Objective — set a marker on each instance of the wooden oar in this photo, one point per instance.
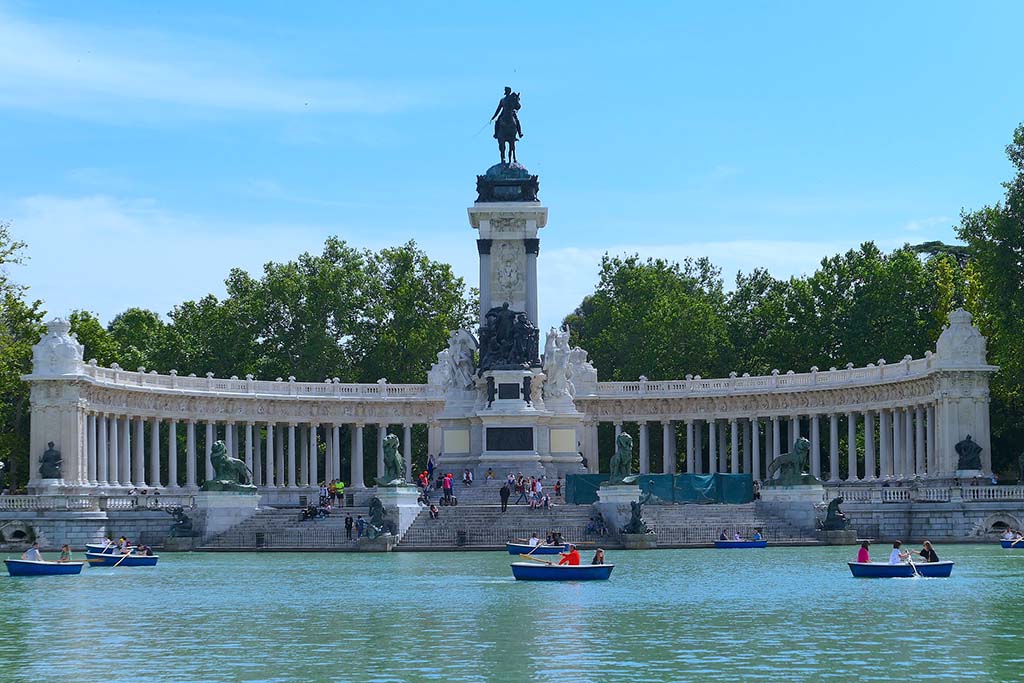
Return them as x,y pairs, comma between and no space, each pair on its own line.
1019,539
126,555
535,559
912,565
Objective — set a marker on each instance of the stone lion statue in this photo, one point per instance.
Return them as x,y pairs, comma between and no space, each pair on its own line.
229,474
394,463
622,461
379,524
790,466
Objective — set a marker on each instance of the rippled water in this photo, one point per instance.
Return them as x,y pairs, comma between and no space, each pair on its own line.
669,615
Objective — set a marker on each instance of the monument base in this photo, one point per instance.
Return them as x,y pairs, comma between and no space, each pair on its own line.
843,537
400,505
639,541
384,543
613,504
218,511
812,494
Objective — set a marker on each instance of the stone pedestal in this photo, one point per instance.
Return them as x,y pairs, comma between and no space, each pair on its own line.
44,487
384,543
639,541
844,537
218,511
795,504
613,504
400,505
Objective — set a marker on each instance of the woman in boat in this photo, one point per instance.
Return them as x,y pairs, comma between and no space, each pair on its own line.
736,536
898,556
724,536
927,552
65,553
757,535
598,556
863,555
571,558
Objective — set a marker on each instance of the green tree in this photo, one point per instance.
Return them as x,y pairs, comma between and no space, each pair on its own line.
97,341
995,237
138,334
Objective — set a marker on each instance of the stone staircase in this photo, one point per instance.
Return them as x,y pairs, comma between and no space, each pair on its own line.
483,492
284,529
689,525
486,526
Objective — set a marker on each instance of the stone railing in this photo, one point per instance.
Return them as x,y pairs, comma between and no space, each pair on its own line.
924,494
92,503
119,378
739,384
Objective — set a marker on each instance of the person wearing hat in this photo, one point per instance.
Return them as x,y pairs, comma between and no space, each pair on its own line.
571,558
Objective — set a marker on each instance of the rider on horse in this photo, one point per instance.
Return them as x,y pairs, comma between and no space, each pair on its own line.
507,108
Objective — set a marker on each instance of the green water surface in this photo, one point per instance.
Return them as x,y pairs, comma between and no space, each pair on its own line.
667,615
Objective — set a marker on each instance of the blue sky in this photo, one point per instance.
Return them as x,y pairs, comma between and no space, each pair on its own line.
148,148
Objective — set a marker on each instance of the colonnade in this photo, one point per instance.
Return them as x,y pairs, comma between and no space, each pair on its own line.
863,445
142,452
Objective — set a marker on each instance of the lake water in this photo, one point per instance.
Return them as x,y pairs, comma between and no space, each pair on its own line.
667,615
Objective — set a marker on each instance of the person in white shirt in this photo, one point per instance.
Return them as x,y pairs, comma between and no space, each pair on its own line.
32,554
534,541
897,556
736,536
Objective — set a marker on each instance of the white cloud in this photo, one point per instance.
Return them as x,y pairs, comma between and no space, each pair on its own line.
73,69
919,224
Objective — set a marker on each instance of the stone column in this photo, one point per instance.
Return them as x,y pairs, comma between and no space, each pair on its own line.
407,450
618,430
755,448
90,449
910,462
114,472
747,456
794,432
776,438
279,470
154,453
668,447
734,444
532,247
689,447
981,418
869,445
257,455
898,468
208,447
483,248
698,444
382,429
933,463
712,446
645,450
723,465
268,464
248,450
336,452
302,462
125,452
172,455
102,451
851,447
884,444
357,457
593,454
229,438
314,459
291,455
329,472
833,448
919,456
139,454
190,455
816,449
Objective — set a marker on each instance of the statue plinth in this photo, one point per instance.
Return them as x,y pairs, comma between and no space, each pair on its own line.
801,493
218,511
639,541
618,493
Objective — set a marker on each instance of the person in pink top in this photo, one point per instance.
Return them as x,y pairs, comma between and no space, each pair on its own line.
862,554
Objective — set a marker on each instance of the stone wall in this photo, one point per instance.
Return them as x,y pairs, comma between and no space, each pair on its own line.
946,522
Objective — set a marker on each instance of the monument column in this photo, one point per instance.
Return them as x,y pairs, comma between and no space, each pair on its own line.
723,464
357,457
816,448
747,456
407,450
103,454
172,454
139,454
933,465
645,453
755,448
90,449
313,474
689,447
734,443
291,455
154,452
851,447
919,459
532,248
336,452
279,470
229,438
125,452
207,448
268,476
909,461
869,445
712,446
668,447
190,455
483,248
115,465
698,445
776,438
248,449
884,444
382,430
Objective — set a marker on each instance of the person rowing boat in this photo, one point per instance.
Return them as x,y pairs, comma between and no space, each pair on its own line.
927,553
572,557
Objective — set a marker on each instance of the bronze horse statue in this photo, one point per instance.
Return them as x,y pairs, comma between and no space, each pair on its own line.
506,128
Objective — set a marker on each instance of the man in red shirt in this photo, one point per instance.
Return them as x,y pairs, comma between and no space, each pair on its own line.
571,558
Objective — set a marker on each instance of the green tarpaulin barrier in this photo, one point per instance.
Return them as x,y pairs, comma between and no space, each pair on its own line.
581,489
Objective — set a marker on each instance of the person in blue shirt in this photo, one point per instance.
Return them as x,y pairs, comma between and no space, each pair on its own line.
757,535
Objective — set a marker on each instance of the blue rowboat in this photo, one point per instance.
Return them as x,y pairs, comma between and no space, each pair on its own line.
525,548
100,548
44,568
535,571
741,544
882,570
109,560
1013,545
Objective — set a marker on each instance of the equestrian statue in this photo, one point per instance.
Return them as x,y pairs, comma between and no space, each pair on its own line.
506,124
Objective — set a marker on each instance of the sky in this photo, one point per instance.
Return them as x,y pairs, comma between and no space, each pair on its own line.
147,148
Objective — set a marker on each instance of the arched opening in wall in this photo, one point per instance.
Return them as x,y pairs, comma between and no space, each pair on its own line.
996,525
